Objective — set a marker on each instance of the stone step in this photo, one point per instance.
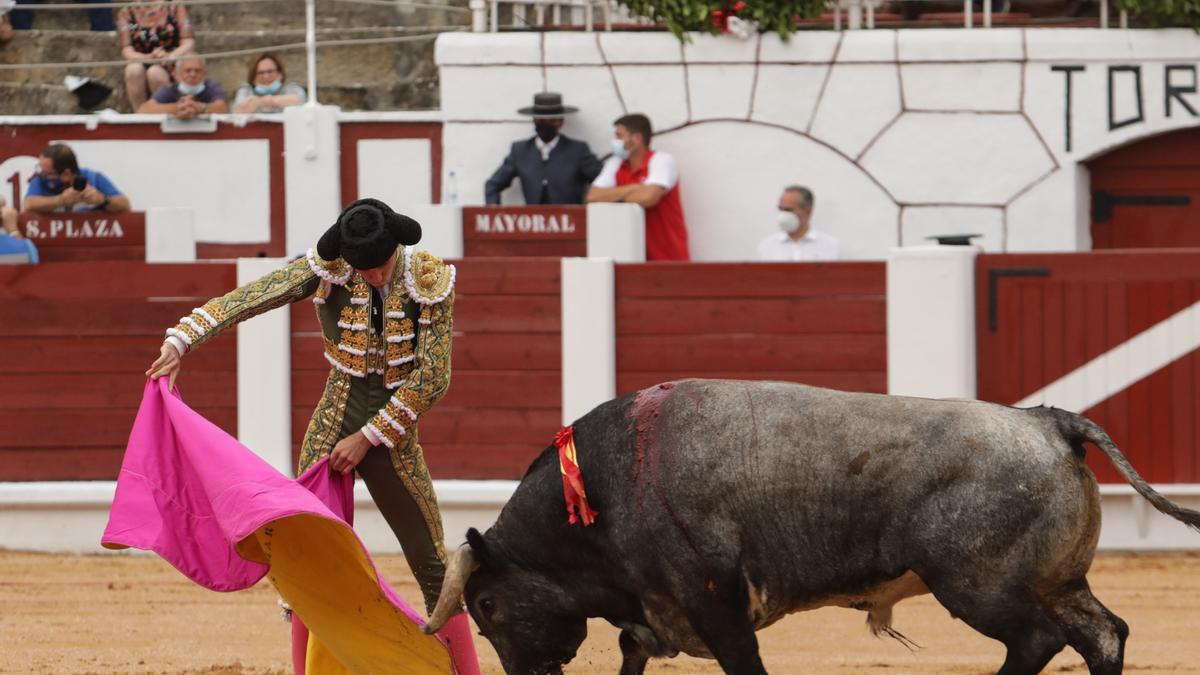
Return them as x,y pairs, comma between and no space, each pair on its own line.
372,63
50,99
280,14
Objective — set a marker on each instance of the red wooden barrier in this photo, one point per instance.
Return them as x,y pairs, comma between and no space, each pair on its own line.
820,323
78,337
86,235
1033,330
505,398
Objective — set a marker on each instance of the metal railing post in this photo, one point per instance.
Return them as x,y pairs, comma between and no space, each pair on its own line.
310,43
479,15
1104,13
968,15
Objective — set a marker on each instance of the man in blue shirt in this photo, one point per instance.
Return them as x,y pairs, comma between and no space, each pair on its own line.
190,95
57,186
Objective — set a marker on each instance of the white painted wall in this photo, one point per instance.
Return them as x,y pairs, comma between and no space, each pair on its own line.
931,321
226,182
398,171
960,130
264,375
313,175
79,514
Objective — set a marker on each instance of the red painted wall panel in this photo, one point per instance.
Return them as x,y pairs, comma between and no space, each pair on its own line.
79,336
822,324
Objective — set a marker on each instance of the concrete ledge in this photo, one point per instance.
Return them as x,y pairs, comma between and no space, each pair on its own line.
70,517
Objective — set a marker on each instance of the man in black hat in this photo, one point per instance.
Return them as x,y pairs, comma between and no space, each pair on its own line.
386,314
553,168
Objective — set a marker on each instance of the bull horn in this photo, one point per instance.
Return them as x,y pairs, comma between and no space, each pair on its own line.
462,563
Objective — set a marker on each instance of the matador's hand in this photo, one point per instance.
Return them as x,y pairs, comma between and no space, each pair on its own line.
349,452
168,363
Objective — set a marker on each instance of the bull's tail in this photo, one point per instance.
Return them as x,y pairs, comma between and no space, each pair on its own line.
1077,429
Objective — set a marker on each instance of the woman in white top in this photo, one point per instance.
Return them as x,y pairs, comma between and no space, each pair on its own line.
265,90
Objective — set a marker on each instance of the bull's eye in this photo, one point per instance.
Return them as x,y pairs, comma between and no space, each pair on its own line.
487,606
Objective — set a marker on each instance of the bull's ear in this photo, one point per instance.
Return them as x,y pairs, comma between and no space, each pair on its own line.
480,546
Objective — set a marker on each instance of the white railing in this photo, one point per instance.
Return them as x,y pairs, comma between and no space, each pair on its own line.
847,14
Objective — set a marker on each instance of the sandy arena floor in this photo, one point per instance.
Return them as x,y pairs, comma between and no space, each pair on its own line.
136,614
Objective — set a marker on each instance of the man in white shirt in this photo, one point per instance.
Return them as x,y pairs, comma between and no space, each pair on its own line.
798,241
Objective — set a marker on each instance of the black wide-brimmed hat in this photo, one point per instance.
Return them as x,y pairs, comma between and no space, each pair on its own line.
548,104
366,234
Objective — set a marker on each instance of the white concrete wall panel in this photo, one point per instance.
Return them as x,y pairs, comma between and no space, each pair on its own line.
226,183
918,223
640,48
474,151
1077,45
787,95
572,49
720,49
1037,221
986,87
867,46
493,94
659,92
859,101
396,170
590,89
957,158
953,44
848,204
806,47
720,91
466,49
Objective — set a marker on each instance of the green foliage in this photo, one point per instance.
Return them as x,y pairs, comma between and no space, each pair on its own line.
682,16
1164,12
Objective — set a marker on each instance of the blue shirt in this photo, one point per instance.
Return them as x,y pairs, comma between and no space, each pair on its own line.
41,187
169,93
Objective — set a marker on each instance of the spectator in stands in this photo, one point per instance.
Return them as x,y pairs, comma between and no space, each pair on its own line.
192,95
101,18
8,220
265,91
798,242
61,185
553,168
649,178
6,27
152,35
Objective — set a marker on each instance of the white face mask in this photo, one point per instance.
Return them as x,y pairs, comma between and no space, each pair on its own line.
618,149
788,221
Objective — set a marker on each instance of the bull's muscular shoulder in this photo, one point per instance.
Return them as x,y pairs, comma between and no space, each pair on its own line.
427,278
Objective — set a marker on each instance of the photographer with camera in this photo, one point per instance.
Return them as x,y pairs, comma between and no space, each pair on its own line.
60,185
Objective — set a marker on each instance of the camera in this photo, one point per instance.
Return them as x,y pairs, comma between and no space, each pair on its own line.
79,183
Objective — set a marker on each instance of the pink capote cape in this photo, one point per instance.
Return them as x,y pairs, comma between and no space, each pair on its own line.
225,518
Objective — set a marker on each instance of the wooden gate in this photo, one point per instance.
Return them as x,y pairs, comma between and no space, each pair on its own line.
1110,334
1147,195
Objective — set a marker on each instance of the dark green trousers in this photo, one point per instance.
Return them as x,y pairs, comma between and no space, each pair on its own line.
401,488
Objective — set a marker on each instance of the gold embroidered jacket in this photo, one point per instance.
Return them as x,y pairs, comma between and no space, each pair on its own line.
413,358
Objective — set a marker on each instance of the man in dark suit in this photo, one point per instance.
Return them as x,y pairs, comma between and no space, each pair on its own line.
553,169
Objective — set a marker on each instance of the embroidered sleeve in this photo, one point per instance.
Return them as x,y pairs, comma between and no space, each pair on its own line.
429,379
293,282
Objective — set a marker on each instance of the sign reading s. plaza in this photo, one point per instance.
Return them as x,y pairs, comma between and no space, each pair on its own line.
66,226
86,235
548,230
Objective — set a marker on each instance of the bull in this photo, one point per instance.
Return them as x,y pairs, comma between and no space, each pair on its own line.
725,506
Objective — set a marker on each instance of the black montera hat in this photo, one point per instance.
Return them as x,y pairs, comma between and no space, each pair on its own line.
547,104
366,234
